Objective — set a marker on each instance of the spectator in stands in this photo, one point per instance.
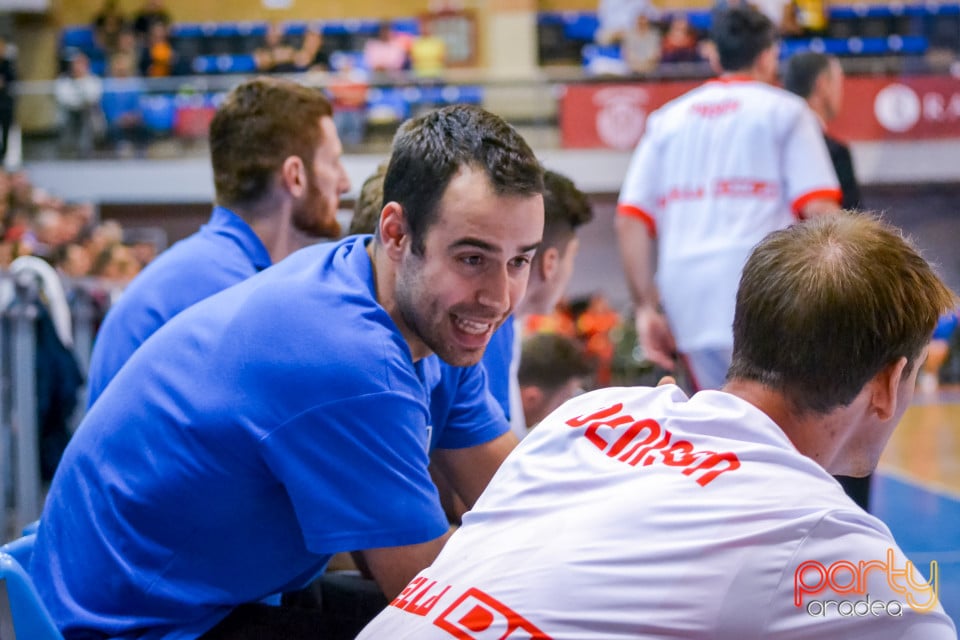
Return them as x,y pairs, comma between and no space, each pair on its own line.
311,55
616,17
348,91
679,43
278,179
8,76
641,45
78,93
385,54
241,495
276,55
151,12
553,369
108,23
126,132
157,58
938,351
428,53
818,79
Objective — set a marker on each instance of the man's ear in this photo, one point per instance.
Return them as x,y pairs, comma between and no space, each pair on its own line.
393,229
885,384
549,263
531,397
293,176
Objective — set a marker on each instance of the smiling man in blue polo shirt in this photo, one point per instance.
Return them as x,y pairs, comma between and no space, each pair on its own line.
286,418
278,176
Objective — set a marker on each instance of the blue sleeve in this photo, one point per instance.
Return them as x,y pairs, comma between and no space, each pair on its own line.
496,360
356,473
474,417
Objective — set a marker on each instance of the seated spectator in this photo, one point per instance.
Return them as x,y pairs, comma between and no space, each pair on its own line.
641,45
158,57
348,93
149,14
126,131
680,42
108,23
78,93
276,55
428,54
311,56
553,369
616,18
385,54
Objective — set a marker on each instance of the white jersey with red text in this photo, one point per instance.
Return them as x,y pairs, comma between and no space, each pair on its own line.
637,513
716,170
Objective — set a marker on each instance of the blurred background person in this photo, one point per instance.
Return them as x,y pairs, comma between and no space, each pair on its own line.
8,76
553,369
78,93
818,79
641,45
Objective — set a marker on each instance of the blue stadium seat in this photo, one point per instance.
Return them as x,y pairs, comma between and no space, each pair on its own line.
21,605
891,45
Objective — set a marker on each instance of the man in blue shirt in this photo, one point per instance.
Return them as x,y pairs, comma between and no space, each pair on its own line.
278,176
566,208
286,418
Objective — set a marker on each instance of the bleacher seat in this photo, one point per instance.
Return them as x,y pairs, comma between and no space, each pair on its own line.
158,112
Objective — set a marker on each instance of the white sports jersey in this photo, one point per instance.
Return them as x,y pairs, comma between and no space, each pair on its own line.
718,169
637,513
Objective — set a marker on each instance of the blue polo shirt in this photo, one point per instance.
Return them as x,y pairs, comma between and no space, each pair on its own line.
222,253
496,361
254,435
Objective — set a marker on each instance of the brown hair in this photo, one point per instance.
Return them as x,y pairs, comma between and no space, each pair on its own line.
824,305
369,204
261,123
565,208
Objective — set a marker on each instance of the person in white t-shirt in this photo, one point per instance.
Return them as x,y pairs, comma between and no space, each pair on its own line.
716,170
642,513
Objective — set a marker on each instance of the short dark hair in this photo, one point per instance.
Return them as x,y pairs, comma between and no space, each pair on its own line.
802,72
825,305
565,208
550,360
369,204
740,35
429,150
261,123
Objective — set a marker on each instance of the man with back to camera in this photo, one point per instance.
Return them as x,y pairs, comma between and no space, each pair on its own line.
716,170
286,418
642,513
818,79
271,199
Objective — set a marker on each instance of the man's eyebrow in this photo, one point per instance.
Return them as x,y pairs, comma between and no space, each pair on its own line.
487,246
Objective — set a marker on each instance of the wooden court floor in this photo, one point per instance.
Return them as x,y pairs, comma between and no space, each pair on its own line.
916,490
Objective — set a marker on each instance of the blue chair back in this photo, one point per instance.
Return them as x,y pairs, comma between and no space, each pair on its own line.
21,611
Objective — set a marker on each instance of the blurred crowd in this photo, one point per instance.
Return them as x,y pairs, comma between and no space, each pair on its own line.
68,235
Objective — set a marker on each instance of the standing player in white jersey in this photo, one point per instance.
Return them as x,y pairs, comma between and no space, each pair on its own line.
641,513
716,170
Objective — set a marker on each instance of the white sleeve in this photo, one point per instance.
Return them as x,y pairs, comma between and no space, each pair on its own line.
849,579
639,189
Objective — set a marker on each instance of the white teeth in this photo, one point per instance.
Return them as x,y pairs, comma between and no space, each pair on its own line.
469,326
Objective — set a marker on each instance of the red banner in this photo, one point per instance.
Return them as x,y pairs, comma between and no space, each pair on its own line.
875,108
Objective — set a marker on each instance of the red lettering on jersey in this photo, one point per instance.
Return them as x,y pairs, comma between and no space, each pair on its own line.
476,615
645,442
418,588
716,109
